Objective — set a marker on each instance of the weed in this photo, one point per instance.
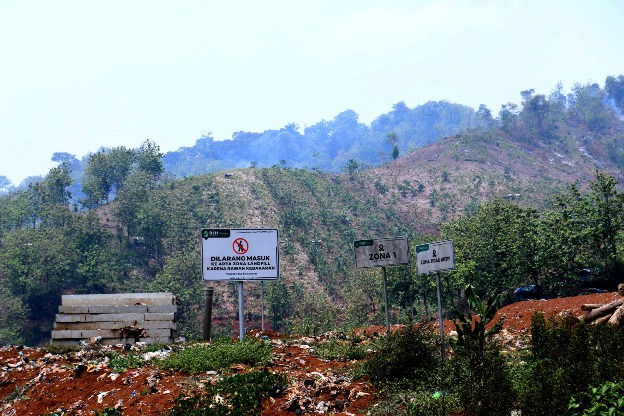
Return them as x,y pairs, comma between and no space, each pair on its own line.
237,395
408,354
339,350
219,355
120,363
604,400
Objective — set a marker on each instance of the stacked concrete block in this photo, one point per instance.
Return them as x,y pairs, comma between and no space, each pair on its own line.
111,319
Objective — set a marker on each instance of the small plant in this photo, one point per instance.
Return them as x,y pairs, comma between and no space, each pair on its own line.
110,411
219,355
339,350
120,363
237,395
483,383
470,329
407,355
607,399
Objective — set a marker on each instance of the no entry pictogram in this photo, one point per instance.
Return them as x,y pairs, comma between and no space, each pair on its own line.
240,246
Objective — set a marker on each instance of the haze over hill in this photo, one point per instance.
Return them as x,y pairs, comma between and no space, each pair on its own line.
174,73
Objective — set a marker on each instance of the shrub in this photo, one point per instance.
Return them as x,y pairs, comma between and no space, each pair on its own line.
408,354
120,363
219,355
339,350
237,395
607,399
568,357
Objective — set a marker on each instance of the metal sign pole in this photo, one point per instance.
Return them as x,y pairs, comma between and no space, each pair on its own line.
385,289
241,316
262,297
440,316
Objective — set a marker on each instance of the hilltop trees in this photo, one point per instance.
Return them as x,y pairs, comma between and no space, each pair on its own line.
502,245
107,170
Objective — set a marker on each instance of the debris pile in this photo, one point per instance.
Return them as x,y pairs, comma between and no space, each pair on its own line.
611,312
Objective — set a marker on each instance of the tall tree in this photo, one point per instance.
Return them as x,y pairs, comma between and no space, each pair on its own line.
149,159
96,181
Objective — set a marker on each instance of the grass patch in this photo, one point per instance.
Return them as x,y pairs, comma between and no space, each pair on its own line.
336,350
237,395
219,355
120,363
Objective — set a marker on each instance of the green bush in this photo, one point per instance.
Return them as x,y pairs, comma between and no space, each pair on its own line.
121,362
339,350
237,395
221,354
482,380
408,354
567,357
607,399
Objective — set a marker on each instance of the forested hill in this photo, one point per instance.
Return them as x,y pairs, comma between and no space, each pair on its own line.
326,145
524,196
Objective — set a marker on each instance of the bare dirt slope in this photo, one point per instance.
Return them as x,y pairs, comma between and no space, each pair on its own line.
35,382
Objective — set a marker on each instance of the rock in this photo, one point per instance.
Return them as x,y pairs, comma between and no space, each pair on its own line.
621,289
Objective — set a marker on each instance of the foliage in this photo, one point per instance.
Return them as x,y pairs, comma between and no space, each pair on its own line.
240,394
407,354
121,362
483,384
495,246
607,399
219,355
567,358
336,350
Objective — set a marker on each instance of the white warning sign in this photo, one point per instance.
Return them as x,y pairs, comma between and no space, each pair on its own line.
240,254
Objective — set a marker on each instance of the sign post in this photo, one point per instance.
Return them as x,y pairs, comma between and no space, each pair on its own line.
381,253
436,257
239,255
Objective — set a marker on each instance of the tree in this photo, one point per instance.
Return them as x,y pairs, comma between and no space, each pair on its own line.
280,304
120,160
5,184
149,159
495,247
589,109
96,181
50,197
352,168
615,89
484,117
130,200
606,221
508,115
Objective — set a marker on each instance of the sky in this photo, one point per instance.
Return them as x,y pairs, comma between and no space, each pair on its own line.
76,76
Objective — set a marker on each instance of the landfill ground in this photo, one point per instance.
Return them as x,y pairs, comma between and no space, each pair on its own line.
34,381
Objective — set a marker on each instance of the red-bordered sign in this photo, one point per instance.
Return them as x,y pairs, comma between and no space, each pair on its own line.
240,246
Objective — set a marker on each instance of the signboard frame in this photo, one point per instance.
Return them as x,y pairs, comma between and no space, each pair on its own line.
433,257
240,254
381,252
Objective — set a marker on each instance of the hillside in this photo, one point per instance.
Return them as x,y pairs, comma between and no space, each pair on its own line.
35,381
138,227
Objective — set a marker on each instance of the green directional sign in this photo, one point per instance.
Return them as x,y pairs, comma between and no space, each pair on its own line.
363,243
422,247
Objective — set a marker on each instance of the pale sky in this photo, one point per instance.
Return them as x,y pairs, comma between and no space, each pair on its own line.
79,75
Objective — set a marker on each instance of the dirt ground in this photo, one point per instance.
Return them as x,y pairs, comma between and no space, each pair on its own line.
35,382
